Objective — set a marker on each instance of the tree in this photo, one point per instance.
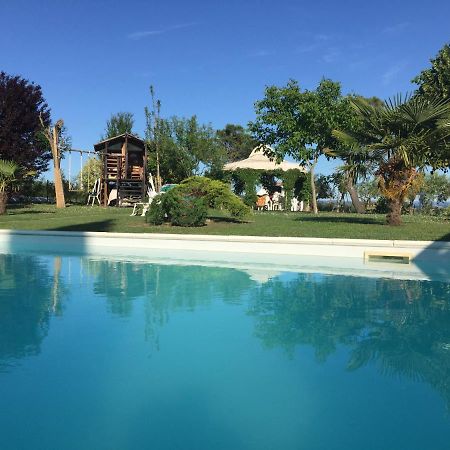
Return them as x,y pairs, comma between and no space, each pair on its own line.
435,187
119,123
21,106
368,190
400,138
92,170
435,81
356,166
300,123
323,187
8,171
59,142
181,148
236,141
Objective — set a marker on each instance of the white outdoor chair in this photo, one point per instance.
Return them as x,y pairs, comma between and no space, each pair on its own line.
94,195
145,206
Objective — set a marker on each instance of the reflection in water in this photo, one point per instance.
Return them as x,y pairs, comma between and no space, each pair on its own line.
402,326
29,295
163,288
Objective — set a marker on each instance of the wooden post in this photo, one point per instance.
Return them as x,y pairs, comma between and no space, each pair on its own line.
144,171
105,177
118,178
126,156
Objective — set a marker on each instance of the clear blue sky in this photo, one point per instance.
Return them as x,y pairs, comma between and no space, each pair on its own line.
210,58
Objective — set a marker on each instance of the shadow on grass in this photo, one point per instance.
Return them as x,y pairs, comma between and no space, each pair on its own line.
101,225
224,219
15,210
335,219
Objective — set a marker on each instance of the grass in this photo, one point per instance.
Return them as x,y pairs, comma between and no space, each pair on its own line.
328,225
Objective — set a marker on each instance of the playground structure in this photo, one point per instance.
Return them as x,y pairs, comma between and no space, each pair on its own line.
124,170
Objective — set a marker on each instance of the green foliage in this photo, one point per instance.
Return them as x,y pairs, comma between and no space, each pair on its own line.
249,178
436,187
92,170
368,190
155,214
236,141
119,123
302,188
216,194
435,81
381,206
406,134
186,210
178,208
8,171
187,203
324,186
290,180
185,149
300,123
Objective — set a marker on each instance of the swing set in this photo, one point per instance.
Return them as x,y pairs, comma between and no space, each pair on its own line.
79,186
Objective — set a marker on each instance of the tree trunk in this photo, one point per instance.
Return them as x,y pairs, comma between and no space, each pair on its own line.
3,202
394,216
59,188
357,204
313,189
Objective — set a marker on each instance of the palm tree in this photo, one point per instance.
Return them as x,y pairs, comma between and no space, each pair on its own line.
356,167
8,170
401,138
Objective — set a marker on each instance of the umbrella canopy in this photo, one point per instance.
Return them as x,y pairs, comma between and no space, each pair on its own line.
259,161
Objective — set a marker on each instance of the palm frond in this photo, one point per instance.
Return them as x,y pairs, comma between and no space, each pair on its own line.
8,168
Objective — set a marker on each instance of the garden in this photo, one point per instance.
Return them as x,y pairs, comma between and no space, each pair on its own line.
391,181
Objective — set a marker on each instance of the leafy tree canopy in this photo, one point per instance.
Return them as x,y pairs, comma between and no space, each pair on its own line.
21,104
186,148
435,81
119,123
300,123
404,135
236,141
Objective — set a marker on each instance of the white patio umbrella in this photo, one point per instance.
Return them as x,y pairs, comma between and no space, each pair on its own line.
259,161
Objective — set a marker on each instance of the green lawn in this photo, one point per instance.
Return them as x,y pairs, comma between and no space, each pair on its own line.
330,225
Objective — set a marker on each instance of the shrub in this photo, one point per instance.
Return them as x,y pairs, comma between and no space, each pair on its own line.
381,206
186,210
186,205
216,194
156,214
178,209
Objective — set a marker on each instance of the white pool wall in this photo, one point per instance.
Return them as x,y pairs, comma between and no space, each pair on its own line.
430,260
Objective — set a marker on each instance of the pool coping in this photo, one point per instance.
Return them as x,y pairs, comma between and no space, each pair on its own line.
427,259
293,245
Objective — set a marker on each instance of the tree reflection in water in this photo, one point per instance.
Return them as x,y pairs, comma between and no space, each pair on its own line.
29,296
164,288
402,326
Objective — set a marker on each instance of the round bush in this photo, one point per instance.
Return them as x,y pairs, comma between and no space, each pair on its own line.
186,211
156,214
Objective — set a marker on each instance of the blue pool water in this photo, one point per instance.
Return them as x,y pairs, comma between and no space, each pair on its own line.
109,354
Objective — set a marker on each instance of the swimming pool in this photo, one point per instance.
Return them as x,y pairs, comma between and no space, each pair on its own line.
111,353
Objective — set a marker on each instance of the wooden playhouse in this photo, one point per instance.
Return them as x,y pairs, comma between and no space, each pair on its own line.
124,169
